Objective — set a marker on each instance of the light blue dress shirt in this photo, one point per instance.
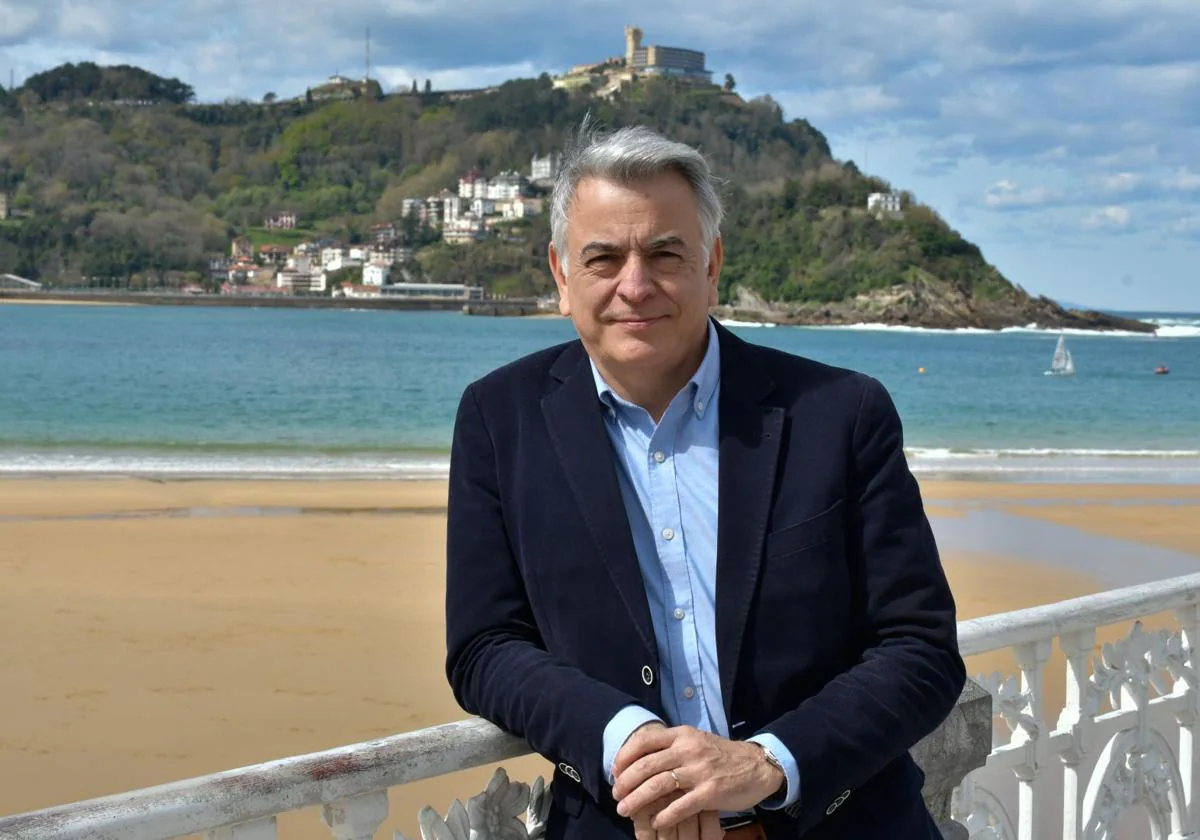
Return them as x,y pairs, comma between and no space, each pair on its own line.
668,477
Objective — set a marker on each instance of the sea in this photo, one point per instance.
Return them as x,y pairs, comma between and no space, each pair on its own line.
195,392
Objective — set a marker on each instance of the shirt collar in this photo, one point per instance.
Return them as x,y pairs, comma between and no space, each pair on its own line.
703,383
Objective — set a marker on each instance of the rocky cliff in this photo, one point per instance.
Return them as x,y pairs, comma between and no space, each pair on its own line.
928,303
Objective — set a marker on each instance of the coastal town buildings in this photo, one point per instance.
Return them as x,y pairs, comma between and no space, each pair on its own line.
480,205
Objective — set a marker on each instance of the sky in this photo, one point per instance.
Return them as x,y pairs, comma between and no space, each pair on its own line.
1061,136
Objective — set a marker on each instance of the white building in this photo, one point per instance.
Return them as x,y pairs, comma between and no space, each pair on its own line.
451,208
375,274
301,276
543,169
483,206
335,258
521,208
466,228
473,185
454,291
887,204
505,186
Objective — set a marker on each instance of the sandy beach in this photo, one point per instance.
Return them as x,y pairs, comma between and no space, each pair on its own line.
156,630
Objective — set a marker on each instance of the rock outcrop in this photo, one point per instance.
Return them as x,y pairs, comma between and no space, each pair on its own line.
929,303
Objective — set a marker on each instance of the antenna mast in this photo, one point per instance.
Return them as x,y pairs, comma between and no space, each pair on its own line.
367,78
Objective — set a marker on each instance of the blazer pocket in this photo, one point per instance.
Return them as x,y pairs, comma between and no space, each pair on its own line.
814,531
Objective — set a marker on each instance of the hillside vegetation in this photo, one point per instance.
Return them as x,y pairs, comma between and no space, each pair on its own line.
103,188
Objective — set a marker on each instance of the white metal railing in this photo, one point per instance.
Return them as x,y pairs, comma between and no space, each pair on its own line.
1097,760
1124,734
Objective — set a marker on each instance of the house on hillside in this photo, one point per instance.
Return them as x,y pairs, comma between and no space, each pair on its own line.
283,220
885,205
242,248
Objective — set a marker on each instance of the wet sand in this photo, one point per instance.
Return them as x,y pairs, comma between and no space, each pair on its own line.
159,630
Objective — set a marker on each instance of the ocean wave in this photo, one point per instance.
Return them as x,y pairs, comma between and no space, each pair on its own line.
209,465
1036,452
1177,331
1165,330
727,322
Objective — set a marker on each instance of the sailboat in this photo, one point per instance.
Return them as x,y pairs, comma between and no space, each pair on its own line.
1062,364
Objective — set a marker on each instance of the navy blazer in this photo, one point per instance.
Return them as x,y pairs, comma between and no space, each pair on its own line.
836,627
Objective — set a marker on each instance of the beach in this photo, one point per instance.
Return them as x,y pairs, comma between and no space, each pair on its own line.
157,629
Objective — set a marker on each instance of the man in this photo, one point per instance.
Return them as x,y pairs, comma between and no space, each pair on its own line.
694,573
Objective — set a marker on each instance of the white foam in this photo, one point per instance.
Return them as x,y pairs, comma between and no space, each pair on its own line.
205,465
1181,330
732,323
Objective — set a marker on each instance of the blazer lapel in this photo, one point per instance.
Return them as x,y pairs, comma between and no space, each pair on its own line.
750,433
576,426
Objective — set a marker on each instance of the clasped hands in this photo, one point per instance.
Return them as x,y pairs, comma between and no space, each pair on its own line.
675,782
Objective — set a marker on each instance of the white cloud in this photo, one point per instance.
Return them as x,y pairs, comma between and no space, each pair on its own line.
1184,180
1120,182
1107,218
16,19
1188,225
453,78
1007,194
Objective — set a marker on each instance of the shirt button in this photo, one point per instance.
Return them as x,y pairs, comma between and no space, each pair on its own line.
700,405
689,693
668,534
679,614
659,457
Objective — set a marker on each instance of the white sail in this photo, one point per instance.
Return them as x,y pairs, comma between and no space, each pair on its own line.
1062,364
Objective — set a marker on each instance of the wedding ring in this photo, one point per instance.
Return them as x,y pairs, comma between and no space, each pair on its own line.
676,778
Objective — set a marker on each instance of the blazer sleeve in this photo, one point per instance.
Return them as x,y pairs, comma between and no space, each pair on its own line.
910,673
496,662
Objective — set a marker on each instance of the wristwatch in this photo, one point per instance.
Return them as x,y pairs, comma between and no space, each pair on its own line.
774,761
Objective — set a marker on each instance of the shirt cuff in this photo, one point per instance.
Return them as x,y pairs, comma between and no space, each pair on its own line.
623,724
790,769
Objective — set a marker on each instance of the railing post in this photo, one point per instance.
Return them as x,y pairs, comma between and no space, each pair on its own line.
256,830
1075,720
356,818
961,744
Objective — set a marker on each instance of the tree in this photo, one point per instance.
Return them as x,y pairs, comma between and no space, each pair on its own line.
729,83
428,85
414,87
269,98
308,95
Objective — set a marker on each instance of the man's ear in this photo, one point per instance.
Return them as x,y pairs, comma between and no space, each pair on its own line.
559,270
716,258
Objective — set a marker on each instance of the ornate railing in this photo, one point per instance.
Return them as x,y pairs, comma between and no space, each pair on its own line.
1122,734
1123,738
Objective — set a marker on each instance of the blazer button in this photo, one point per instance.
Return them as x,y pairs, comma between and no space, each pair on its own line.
569,771
647,675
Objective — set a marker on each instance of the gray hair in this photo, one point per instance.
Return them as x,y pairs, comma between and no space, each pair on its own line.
627,156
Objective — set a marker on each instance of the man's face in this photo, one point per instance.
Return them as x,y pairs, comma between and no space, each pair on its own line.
636,286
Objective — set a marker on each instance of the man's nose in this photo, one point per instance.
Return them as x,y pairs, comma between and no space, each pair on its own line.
635,284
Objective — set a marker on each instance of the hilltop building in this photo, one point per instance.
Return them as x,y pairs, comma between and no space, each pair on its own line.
885,205
640,60
663,61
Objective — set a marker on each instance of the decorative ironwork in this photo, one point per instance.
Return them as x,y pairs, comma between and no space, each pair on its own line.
494,814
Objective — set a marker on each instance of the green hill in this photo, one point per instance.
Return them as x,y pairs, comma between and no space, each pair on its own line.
104,188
